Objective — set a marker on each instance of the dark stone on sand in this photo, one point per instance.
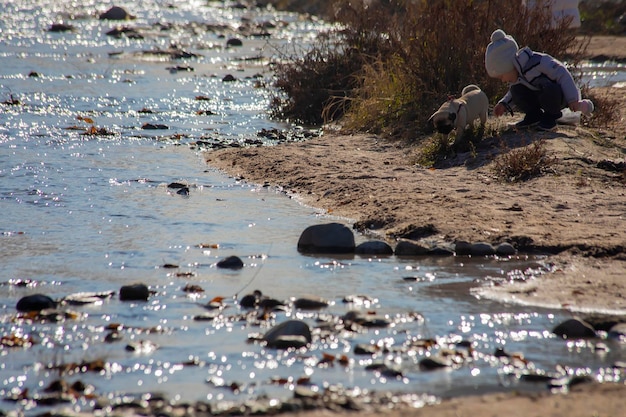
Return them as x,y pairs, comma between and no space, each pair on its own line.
574,328
231,262
331,238
289,332
35,302
463,248
482,249
440,251
505,249
116,13
134,292
374,247
409,248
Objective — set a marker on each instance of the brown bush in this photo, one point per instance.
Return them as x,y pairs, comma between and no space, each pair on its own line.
524,163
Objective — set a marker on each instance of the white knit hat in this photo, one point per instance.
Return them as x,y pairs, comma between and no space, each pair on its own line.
500,54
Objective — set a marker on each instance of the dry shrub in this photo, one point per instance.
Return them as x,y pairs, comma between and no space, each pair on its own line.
306,84
607,110
524,163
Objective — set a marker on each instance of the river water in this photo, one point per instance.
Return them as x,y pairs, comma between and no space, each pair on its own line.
85,213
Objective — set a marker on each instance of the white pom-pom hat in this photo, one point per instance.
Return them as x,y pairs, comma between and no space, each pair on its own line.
500,53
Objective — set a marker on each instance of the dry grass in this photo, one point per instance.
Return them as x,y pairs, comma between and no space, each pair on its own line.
524,163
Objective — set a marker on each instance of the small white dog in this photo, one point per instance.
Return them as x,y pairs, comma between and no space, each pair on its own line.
460,112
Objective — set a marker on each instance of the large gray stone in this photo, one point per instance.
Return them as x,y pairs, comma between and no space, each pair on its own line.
282,334
35,302
134,292
116,13
410,248
574,328
374,247
331,238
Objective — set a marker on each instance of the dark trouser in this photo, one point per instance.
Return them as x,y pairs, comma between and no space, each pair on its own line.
545,103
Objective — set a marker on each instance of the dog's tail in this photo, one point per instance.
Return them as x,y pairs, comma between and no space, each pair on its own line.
469,88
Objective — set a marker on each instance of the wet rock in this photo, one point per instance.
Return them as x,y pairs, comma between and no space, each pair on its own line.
288,342
116,13
128,32
537,376
365,320
505,249
574,328
154,126
60,27
310,303
440,251
134,292
228,78
231,262
362,349
233,42
482,249
35,302
251,300
463,248
410,248
385,370
331,238
374,247
434,362
618,331
290,333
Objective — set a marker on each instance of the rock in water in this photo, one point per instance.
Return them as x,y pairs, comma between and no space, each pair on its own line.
331,238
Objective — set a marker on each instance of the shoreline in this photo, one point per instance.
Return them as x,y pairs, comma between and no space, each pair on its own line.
577,211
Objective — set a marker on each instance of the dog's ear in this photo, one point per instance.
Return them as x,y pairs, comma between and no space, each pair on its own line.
452,116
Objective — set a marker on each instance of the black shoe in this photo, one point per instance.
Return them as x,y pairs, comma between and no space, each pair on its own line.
527,122
547,125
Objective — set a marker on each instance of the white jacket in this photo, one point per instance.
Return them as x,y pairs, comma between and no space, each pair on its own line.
535,68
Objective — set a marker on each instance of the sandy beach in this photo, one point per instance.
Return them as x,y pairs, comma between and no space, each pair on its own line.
577,213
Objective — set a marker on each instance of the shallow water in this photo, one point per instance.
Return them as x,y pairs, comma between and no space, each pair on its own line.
90,213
